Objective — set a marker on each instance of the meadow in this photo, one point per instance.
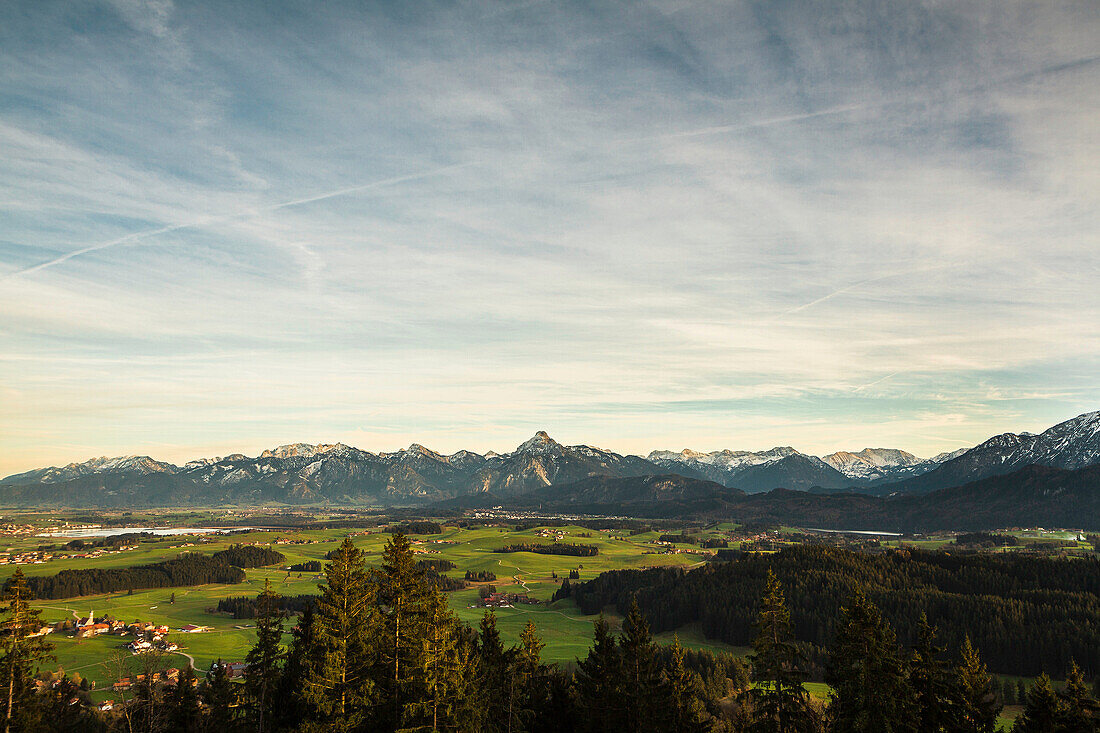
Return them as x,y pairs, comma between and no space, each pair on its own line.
566,632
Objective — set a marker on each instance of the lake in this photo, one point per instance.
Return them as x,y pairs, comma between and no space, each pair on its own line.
112,531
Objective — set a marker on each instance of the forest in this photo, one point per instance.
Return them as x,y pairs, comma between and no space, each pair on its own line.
380,650
564,548
249,556
189,568
1026,614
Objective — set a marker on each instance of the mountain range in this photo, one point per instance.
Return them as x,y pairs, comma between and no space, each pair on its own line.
538,470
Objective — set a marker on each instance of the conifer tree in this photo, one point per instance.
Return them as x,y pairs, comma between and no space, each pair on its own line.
644,697
528,682
1080,711
264,659
220,698
299,666
442,667
686,712
938,698
780,703
339,687
1042,709
871,692
493,664
402,595
598,682
21,649
185,716
979,703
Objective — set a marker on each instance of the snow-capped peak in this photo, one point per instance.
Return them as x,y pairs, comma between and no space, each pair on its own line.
541,442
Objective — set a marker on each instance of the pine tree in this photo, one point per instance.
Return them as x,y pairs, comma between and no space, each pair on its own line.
442,668
645,698
1080,711
871,692
184,715
528,684
686,713
1042,709
597,682
780,703
339,687
402,597
938,697
979,703
220,698
493,665
263,660
299,666
21,648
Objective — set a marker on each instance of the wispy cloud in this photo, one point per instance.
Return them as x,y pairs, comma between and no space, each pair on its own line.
688,224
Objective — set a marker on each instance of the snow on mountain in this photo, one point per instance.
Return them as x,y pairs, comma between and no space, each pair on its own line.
1071,445
303,472
878,464
103,464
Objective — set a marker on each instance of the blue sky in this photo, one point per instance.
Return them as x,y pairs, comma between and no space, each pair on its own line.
226,226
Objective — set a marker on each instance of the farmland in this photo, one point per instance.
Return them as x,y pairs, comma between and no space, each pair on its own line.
565,630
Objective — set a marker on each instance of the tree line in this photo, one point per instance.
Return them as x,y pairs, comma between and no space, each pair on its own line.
382,651
245,606
250,556
564,548
190,568
1026,614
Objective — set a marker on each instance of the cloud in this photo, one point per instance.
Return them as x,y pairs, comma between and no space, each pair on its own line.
703,224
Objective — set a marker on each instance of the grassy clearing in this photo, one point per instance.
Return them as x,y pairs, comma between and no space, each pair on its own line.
565,630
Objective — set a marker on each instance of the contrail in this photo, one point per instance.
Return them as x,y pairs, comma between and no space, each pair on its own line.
146,234
861,283
748,125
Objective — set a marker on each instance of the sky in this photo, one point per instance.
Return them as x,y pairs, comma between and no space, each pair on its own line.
637,225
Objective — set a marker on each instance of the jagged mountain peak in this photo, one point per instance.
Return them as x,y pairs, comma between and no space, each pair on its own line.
540,442
305,450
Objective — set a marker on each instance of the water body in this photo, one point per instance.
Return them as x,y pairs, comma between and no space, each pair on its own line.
112,531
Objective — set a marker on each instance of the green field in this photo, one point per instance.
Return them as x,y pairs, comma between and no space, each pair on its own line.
565,630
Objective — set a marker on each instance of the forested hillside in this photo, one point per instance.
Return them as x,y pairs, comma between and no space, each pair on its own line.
1024,614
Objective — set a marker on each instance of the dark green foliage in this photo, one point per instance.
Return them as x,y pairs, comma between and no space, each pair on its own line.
264,662
416,527
644,694
184,714
975,687
686,712
571,549
1079,709
55,712
438,564
219,696
598,683
249,556
188,569
481,576
1024,613
940,702
779,702
1042,709
871,690
310,566
21,651
245,606
681,538
339,689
